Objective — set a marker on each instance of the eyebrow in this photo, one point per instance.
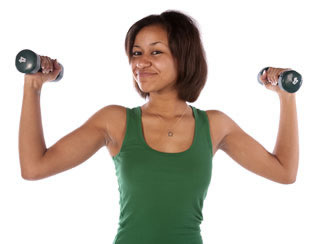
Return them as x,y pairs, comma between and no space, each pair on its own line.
151,44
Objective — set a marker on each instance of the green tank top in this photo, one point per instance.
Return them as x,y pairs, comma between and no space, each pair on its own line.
162,194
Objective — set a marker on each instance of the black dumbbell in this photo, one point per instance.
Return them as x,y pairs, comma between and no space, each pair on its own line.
29,62
289,80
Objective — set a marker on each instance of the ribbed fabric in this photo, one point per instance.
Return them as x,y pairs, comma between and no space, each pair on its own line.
162,194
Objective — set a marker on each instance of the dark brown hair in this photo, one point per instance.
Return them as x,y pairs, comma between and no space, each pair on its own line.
186,47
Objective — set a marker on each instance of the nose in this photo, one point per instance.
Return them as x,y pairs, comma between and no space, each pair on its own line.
143,62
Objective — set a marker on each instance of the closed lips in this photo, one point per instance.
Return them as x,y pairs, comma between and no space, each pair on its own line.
145,73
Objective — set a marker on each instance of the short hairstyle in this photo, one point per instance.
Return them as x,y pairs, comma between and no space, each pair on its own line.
186,47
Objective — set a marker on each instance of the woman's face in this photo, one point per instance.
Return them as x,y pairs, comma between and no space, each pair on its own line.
153,65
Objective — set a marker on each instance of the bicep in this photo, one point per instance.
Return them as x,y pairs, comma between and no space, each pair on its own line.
250,154
73,149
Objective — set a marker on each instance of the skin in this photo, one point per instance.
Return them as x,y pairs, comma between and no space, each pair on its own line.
151,54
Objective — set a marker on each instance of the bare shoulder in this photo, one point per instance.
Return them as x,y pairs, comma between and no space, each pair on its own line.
109,120
220,125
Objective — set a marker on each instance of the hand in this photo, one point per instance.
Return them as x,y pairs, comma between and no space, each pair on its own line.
270,79
49,71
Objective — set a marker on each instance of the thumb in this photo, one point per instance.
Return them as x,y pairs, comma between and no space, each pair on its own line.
57,68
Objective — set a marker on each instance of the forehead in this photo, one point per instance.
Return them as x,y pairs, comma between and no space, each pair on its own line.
151,34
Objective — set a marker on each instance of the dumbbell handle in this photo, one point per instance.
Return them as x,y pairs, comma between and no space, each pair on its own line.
29,62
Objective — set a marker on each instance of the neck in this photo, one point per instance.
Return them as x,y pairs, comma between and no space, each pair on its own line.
166,107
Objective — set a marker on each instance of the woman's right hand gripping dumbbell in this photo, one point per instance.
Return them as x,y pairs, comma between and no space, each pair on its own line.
38,69
49,71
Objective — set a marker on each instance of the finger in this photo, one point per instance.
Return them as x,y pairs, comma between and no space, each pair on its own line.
276,74
263,77
268,84
57,67
47,65
271,86
279,72
55,64
44,65
42,62
269,70
271,75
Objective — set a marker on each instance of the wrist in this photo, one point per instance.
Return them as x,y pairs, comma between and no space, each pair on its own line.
30,83
286,96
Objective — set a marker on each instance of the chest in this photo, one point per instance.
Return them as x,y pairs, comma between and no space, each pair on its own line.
154,133
157,134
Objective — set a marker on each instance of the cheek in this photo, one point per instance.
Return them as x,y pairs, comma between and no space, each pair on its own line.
133,68
132,65
169,66
172,70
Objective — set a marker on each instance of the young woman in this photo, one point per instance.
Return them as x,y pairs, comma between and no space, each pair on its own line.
163,149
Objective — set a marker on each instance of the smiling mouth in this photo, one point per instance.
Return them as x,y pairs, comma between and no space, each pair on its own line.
145,74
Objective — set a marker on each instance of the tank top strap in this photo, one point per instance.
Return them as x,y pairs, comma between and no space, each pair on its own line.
131,137
131,125
204,138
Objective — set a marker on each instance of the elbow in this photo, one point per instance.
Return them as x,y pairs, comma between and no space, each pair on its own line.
284,180
289,179
288,174
29,178
291,176
29,174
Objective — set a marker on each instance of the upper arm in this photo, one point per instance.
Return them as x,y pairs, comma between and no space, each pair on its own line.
249,153
76,147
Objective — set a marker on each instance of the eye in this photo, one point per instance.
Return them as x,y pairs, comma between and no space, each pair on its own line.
156,52
136,53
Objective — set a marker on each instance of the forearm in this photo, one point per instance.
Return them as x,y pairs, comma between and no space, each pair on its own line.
31,139
286,149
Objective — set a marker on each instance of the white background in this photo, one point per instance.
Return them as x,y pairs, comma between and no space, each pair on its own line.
81,205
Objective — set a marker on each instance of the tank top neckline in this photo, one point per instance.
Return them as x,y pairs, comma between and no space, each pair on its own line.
166,153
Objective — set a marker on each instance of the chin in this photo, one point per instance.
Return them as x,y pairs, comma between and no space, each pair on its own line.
144,85
145,90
